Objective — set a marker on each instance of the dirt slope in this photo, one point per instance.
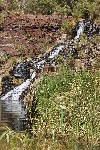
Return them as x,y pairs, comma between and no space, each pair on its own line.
29,34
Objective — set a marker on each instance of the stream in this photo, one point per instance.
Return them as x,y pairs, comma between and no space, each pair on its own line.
12,105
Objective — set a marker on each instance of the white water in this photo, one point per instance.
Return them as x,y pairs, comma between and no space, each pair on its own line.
39,64
18,66
17,91
12,98
56,52
80,30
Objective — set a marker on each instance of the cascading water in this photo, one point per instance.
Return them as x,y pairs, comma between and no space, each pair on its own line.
80,30
56,51
12,101
13,105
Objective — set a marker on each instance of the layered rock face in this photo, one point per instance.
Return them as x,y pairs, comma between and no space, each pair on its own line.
29,34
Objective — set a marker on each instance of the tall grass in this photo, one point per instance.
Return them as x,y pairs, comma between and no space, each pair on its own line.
68,112
68,107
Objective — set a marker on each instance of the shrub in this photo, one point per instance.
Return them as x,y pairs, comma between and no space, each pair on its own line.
86,9
67,25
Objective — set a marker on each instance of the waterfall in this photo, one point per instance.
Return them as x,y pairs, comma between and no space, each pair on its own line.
11,100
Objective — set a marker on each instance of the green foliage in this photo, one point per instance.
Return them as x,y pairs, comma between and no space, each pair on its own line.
14,141
78,8
46,7
68,105
3,13
2,16
62,10
67,25
86,9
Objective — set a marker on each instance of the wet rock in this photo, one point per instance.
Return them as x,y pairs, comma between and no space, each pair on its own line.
7,84
90,28
74,31
64,54
21,70
73,52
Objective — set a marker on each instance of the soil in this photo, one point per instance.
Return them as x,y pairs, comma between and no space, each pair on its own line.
29,34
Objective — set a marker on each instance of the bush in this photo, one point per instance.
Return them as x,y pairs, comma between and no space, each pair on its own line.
78,8
67,25
86,9
45,7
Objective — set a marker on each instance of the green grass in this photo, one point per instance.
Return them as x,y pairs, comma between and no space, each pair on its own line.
68,114
68,107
